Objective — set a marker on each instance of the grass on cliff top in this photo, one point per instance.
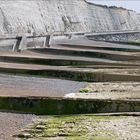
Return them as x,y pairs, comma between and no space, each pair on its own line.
74,127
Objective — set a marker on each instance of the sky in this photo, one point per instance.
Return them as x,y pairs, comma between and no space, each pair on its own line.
129,4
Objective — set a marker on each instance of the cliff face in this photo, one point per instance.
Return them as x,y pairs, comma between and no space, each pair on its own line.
40,16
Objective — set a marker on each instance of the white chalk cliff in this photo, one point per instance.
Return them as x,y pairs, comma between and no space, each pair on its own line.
40,16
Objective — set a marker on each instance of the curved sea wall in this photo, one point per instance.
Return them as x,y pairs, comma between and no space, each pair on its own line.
40,16
116,37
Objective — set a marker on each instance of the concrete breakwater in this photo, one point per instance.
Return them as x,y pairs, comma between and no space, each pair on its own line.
59,106
71,64
41,16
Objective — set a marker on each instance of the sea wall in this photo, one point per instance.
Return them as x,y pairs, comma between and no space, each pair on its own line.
117,37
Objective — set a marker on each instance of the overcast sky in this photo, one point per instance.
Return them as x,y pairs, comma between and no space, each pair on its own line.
129,4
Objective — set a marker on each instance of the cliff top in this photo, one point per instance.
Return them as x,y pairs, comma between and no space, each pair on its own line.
111,7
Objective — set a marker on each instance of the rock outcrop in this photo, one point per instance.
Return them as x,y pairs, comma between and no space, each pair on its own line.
40,16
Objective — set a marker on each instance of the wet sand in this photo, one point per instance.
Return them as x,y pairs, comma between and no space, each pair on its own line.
11,124
12,85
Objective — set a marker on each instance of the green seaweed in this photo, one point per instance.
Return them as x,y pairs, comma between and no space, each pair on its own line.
72,127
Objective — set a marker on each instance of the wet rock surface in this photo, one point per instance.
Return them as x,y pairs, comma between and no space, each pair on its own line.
107,90
84,127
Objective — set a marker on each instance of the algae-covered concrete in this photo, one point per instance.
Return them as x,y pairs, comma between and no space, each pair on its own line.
59,106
